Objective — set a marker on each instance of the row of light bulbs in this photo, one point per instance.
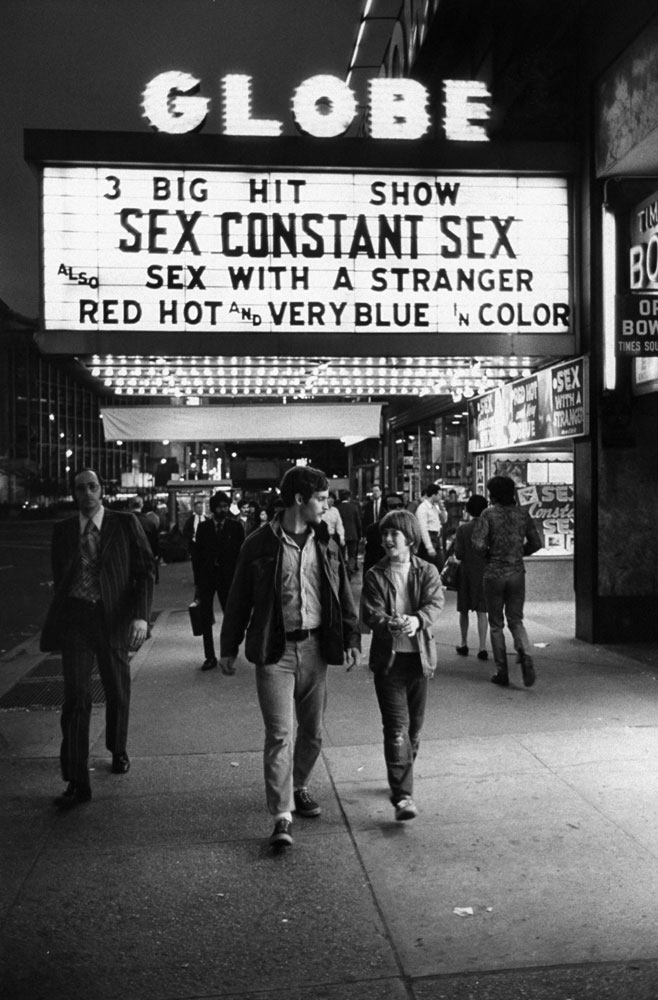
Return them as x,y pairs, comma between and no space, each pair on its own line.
303,378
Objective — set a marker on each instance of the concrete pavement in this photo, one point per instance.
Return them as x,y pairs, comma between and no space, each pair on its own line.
530,872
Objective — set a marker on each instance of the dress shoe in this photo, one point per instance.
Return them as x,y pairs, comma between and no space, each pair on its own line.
73,795
462,650
501,679
210,663
120,763
483,655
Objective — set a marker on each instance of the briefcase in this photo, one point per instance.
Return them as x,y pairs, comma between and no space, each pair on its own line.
196,620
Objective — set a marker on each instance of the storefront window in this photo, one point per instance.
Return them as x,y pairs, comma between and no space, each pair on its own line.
545,488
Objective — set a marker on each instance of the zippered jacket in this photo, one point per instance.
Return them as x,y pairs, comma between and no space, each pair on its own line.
378,607
254,604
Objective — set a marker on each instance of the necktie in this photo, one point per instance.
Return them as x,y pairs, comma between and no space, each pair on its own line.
89,557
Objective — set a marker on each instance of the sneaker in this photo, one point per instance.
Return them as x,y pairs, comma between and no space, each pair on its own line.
405,809
304,804
281,835
501,679
527,668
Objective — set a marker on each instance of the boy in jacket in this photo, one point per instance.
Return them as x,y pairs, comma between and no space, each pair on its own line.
401,600
291,596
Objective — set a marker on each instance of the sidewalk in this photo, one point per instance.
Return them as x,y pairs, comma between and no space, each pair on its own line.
531,871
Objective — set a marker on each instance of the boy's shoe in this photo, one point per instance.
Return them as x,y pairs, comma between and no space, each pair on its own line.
502,679
483,655
462,650
281,835
527,668
405,809
304,804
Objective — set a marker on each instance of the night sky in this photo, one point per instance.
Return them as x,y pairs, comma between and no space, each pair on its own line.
83,64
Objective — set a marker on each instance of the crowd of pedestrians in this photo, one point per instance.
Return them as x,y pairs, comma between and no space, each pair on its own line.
282,577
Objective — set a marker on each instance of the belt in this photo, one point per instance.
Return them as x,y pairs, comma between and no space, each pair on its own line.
87,605
301,633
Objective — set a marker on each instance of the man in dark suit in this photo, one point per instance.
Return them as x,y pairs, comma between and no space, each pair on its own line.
136,507
350,515
374,508
218,544
190,529
103,573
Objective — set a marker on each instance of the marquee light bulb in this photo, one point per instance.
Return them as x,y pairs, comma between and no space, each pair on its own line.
398,109
324,106
236,88
169,107
466,103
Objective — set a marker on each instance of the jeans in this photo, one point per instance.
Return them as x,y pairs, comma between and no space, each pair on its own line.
296,685
506,596
402,697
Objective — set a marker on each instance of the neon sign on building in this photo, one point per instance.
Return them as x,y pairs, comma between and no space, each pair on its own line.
322,106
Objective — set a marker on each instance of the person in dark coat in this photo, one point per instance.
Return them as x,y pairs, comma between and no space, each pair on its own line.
103,581
374,549
190,529
136,506
505,533
218,544
350,515
292,604
470,589
374,508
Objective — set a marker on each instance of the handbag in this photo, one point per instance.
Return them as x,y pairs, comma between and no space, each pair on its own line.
450,575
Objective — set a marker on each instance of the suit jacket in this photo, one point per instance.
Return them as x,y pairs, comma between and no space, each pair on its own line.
127,573
369,511
351,517
217,551
188,530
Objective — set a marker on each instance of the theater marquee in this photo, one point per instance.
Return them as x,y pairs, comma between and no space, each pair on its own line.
309,251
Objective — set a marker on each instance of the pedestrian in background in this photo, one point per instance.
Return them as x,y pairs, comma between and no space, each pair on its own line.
136,507
374,508
401,600
505,533
350,515
218,544
334,521
103,577
150,513
431,515
262,518
470,585
374,549
292,598
190,529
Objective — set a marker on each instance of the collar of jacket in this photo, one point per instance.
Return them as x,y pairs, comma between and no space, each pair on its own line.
415,567
319,531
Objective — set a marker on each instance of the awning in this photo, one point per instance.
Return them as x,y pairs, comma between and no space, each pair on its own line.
347,422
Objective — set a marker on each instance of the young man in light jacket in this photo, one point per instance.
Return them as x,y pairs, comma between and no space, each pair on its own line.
401,600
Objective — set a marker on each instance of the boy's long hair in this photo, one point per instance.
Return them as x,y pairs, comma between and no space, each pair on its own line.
406,522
